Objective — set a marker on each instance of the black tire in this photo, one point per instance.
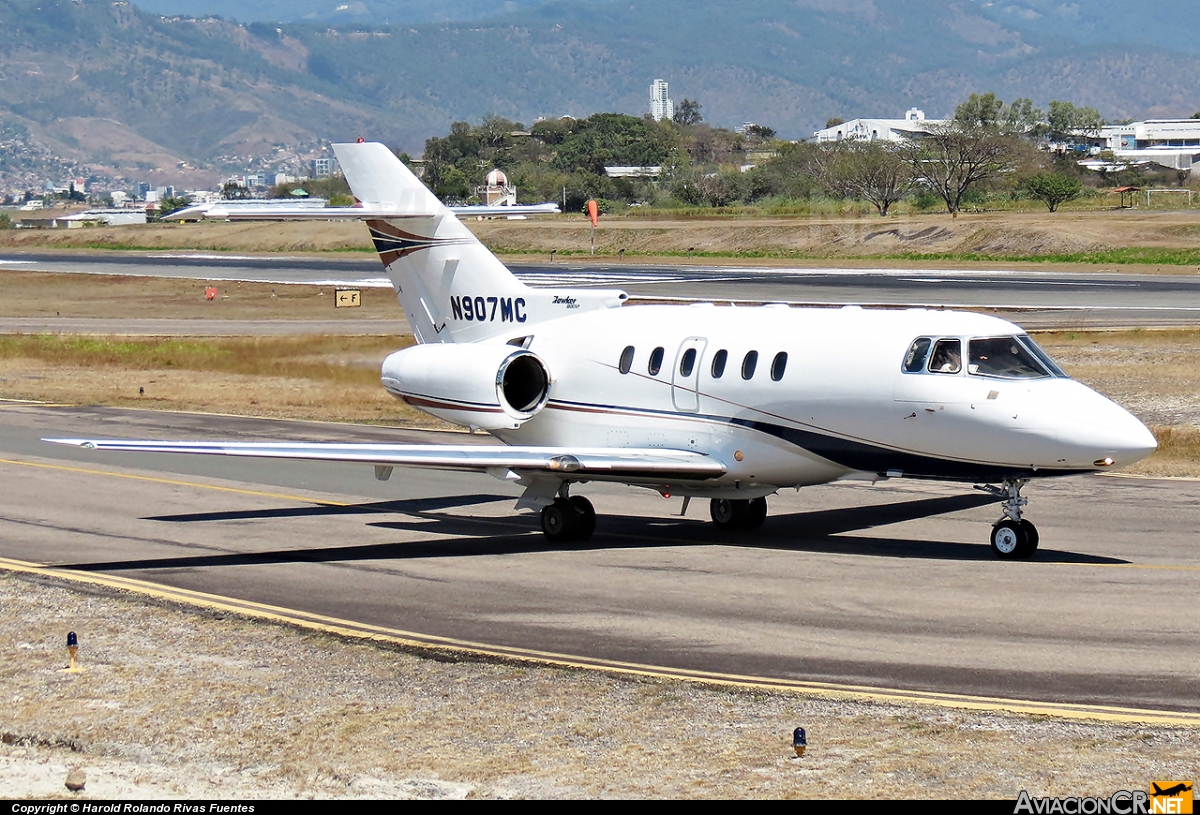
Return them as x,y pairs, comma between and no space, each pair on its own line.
726,513
730,513
586,517
756,513
560,521
1010,541
1032,538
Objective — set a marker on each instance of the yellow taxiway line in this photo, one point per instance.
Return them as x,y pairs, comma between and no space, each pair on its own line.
409,639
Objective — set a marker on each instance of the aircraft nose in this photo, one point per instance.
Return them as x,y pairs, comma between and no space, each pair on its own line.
1103,434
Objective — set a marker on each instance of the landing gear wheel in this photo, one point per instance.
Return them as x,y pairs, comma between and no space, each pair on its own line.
586,514
1010,541
1032,537
756,513
738,514
560,521
726,513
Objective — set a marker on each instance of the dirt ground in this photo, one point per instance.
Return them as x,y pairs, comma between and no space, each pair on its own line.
176,702
762,238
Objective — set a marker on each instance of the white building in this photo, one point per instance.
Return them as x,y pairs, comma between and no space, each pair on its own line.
496,191
1173,143
914,123
661,106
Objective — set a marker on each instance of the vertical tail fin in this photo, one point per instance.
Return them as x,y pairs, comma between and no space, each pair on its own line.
450,286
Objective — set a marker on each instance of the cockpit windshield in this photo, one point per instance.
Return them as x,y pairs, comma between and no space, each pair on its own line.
1009,358
1037,351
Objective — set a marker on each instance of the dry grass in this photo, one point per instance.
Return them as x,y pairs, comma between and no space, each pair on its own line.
1018,234
44,294
310,377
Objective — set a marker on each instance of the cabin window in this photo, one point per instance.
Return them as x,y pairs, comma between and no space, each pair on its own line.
914,360
778,365
626,360
749,363
1004,357
718,365
656,358
687,362
946,357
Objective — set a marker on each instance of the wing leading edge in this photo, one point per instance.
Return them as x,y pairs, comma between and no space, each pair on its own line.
601,464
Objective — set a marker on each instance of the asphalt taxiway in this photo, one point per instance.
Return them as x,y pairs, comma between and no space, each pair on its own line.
890,586
1033,298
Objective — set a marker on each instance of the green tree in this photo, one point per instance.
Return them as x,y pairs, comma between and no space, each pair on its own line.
232,191
5,221
172,203
870,171
1065,122
952,158
1053,189
988,112
688,113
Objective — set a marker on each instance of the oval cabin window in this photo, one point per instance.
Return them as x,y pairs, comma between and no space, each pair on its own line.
626,360
718,364
749,364
687,363
778,365
656,358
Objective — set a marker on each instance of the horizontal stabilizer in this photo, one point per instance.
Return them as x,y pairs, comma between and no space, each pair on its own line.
575,463
271,212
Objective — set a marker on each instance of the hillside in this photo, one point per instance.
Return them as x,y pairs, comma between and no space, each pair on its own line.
121,91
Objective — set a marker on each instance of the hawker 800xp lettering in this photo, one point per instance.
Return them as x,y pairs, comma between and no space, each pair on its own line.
699,401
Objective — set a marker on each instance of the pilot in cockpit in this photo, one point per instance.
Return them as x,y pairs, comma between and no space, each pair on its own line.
946,358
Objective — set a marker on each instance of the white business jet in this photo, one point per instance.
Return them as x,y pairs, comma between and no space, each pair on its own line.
729,404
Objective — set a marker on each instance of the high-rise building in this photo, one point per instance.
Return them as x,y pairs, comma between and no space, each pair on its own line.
661,106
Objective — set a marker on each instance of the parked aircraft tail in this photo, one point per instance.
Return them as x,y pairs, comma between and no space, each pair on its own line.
451,287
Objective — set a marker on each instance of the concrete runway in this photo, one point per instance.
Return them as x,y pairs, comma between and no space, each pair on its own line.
891,586
1034,299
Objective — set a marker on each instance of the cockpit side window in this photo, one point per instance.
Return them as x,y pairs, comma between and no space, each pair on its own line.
1004,357
946,357
1037,351
914,360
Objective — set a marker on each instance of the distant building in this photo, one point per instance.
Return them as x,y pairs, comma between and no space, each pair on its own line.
633,172
496,191
1173,143
913,124
661,106
322,167
112,216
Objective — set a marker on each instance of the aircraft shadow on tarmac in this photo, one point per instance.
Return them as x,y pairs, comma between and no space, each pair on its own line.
817,532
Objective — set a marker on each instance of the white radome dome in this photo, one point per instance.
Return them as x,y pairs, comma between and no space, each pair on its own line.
496,179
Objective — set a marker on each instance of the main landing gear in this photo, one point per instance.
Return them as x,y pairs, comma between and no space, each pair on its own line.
1013,537
737,513
569,518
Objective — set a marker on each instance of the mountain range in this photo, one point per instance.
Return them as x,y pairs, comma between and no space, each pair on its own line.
120,89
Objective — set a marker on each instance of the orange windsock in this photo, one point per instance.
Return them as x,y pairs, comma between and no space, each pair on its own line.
594,212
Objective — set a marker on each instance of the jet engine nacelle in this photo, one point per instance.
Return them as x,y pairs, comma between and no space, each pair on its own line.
490,387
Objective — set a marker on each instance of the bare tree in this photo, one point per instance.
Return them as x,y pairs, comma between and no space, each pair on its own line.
951,158
872,171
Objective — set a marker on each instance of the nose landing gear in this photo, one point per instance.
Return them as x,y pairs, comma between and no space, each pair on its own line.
1013,537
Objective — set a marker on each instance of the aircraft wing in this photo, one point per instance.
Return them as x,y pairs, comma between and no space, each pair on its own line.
601,464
